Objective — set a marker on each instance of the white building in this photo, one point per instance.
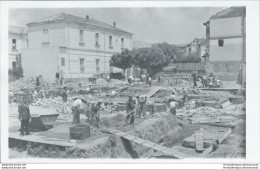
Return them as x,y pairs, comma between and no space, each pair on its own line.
80,47
17,40
226,32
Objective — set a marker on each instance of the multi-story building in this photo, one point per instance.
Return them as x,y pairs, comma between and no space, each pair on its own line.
17,41
226,32
198,47
79,47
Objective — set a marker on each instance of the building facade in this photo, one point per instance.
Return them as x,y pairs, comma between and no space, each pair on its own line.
227,34
17,41
79,47
198,47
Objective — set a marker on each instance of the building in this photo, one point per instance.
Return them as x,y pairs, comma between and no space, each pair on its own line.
79,47
18,40
198,47
226,32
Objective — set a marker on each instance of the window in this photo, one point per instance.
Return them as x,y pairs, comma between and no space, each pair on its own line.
62,61
110,42
81,32
45,31
220,42
45,44
82,67
14,65
122,42
14,44
97,39
190,50
97,66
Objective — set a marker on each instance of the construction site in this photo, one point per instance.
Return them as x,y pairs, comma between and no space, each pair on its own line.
211,124
79,89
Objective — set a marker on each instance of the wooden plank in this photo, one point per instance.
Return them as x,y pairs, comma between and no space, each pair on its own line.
199,141
226,104
206,152
224,136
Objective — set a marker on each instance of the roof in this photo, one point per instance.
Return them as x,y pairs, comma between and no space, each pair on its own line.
68,17
17,29
230,12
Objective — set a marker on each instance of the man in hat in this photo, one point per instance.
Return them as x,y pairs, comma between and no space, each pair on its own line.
24,116
130,110
143,106
173,107
95,111
77,107
64,96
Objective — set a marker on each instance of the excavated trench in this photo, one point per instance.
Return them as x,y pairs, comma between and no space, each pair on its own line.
162,129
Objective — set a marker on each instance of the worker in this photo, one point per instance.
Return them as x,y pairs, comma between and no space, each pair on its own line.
173,107
38,81
211,81
108,78
113,93
185,95
24,116
142,103
95,112
137,107
77,108
57,76
64,96
150,81
194,79
129,111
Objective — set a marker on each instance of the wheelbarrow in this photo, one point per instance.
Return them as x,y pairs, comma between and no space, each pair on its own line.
42,122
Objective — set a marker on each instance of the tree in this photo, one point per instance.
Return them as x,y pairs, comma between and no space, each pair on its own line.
151,59
122,60
170,51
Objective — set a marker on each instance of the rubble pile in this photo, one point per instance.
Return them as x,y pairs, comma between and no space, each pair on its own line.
112,83
24,83
206,111
51,102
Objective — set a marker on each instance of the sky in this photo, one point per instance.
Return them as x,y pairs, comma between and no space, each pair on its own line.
151,25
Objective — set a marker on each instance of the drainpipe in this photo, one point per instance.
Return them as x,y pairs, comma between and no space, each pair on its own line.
104,50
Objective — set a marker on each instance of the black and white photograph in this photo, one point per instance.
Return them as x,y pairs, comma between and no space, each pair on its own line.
153,83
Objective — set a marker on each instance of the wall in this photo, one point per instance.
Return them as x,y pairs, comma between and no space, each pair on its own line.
72,62
21,43
232,50
89,41
55,36
224,27
40,61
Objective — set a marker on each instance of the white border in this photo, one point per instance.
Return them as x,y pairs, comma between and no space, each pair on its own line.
252,52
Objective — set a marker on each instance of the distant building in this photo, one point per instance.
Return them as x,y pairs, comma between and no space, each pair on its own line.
197,47
18,40
226,32
80,47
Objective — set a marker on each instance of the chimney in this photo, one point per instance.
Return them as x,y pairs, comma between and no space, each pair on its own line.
114,23
87,18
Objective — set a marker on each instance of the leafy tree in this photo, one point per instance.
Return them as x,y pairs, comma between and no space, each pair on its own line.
151,59
122,60
170,51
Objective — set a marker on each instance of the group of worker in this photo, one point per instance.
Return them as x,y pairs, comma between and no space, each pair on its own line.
135,108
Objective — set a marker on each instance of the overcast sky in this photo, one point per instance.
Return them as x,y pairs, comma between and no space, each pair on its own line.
152,25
